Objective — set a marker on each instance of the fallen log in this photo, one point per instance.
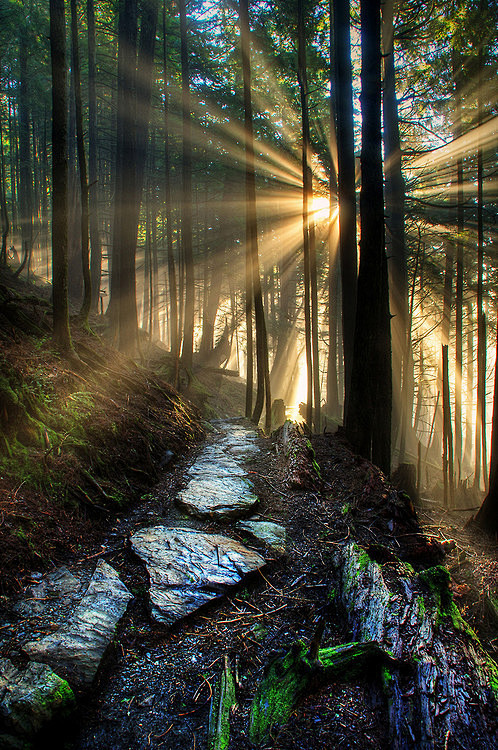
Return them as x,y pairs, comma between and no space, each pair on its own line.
288,678
450,697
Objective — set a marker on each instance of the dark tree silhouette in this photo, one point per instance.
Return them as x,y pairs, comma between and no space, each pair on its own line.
345,182
61,333
368,419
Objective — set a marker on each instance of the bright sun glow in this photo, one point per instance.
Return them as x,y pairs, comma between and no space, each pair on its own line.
320,208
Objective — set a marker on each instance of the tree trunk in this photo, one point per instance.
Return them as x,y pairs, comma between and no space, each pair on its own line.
85,257
125,154
395,222
188,326
96,249
173,293
457,132
487,516
346,185
263,391
440,693
25,166
307,195
61,333
448,463
480,436
368,420
3,204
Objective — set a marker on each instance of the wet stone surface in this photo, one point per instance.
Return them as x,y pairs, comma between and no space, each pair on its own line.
221,498
30,698
218,488
188,568
75,650
60,585
268,532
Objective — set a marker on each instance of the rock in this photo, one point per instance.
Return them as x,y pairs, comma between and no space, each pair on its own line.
60,584
215,462
188,568
30,698
219,497
271,533
76,648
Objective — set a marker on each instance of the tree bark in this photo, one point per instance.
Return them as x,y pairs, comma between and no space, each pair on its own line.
395,222
346,190
263,391
487,516
125,154
85,257
307,195
3,204
95,246
25,193
173,293
368,419
61,333
188,326
440,661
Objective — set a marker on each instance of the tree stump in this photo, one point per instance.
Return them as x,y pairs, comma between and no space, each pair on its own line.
449,697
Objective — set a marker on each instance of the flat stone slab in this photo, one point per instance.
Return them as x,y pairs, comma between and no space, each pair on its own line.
61,585
215,462
271,533
75,650
29,699
188,568
219,497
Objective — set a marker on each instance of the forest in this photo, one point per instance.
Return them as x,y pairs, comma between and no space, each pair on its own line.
281,210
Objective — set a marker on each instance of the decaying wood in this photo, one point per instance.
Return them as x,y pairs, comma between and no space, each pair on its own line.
298,672
303,471
451,691
222,704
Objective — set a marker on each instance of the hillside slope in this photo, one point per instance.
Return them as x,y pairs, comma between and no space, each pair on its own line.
78,439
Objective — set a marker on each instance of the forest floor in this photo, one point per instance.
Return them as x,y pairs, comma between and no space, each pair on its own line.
155,687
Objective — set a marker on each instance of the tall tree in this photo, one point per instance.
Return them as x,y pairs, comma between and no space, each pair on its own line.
132,152
368,420
173,296
80,144
61,333
263,392
487,516
307,196
395,223
187,251
346,191
95,246
25,163
124,180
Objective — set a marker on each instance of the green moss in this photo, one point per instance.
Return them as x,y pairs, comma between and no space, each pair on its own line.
288,678
277,693
493,678
363,560
421,605
437,580
219,715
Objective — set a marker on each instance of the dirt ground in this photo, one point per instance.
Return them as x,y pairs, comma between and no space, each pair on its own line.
154,691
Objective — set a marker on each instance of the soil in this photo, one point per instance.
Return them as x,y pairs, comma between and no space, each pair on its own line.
155,687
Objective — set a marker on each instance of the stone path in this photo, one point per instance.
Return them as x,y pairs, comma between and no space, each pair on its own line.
187,568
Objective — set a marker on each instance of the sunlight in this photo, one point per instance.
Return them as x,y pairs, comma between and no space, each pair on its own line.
320,208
